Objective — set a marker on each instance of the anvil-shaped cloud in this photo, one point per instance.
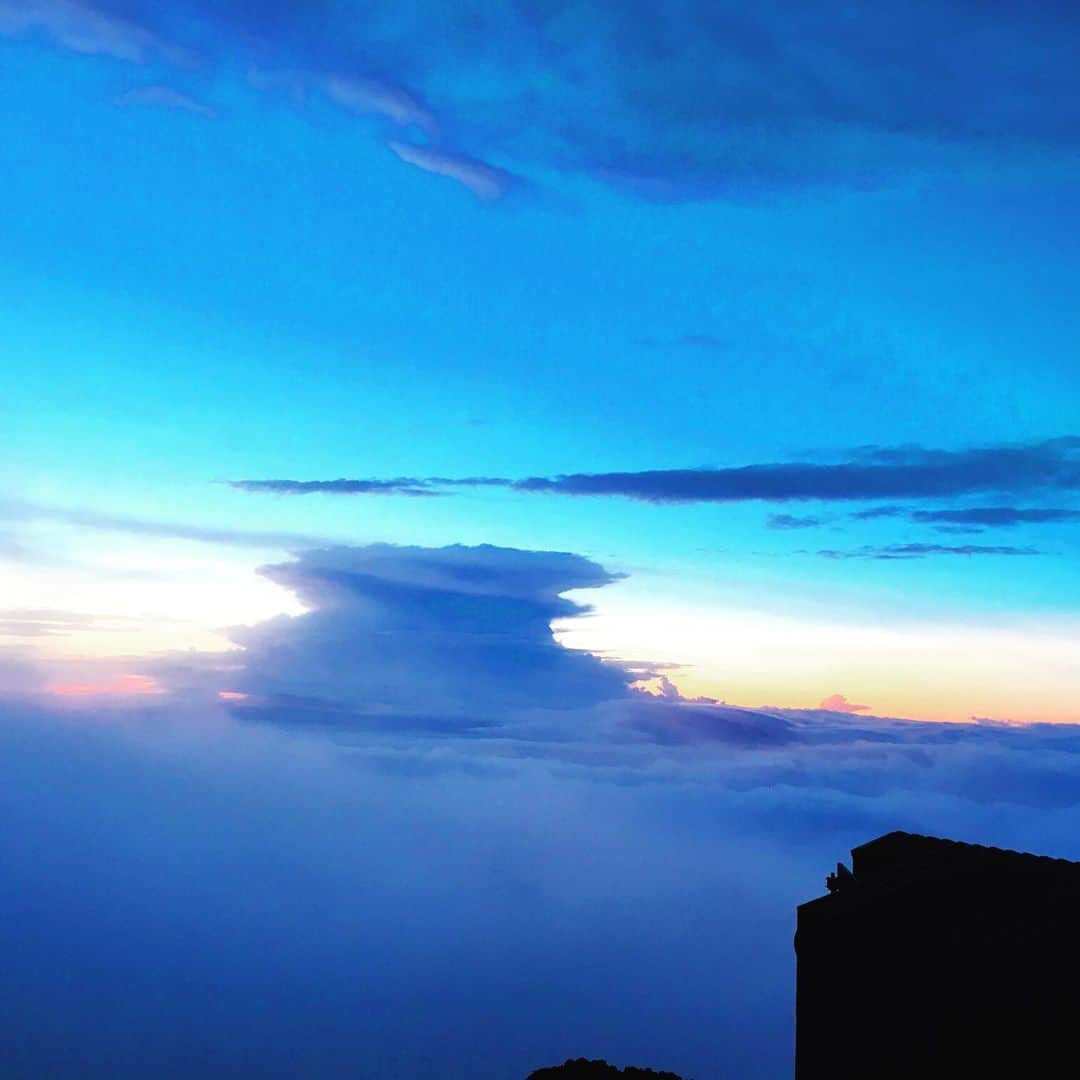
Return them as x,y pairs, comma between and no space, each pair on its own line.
454,632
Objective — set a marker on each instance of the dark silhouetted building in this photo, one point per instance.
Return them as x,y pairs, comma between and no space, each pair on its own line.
934,958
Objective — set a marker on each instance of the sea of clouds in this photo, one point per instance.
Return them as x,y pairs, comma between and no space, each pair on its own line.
429,841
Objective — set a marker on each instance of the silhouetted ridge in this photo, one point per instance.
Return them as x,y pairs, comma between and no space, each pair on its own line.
583,1069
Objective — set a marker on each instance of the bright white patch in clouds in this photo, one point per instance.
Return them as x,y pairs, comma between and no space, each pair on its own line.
140,599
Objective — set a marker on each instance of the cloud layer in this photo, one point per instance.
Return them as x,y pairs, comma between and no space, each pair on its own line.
430,819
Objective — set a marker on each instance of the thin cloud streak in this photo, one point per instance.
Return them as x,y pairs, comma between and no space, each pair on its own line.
403,485
922,551
998,516
972,519
165,97
17,511
484,181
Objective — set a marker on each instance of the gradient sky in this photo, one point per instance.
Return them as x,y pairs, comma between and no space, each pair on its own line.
752,331
217,267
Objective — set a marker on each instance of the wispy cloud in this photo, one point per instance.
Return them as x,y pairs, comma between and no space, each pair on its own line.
373,96
483,180
51,622
86,28
740,100
165,97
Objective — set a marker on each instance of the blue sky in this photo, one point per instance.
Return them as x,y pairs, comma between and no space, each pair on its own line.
762,323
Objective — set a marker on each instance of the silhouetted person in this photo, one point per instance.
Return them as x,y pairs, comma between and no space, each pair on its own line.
934,958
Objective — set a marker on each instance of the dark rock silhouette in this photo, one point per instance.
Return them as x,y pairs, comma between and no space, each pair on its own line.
933,958
583,1069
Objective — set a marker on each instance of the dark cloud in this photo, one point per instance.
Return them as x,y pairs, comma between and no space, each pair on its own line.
972,519
875,512
873,473
869,473
922,551
997,516
696,722
681,100
789,521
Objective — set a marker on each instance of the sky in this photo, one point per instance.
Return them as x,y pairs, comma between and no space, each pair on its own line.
497,498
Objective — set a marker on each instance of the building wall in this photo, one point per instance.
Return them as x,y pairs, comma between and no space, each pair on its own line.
962,969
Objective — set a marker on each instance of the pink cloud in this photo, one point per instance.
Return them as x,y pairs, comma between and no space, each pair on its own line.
839,703
125,685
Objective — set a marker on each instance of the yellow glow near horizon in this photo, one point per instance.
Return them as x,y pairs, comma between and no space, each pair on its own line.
927,671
